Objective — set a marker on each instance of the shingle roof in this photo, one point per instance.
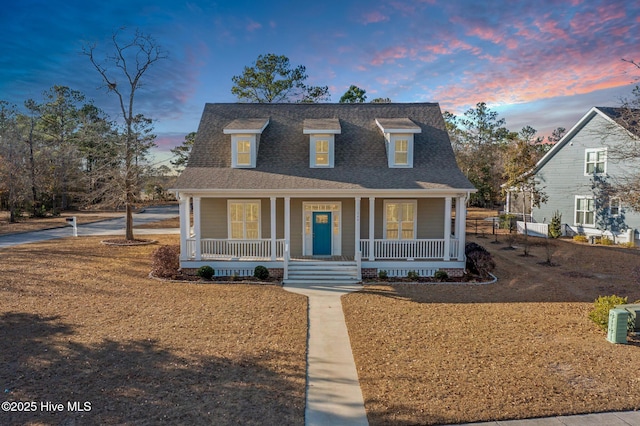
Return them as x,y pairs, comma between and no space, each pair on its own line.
360,157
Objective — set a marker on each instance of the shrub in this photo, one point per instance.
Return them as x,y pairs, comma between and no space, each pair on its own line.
601,307
413,275
441,275
261,272
479,260
206,272
555,226
605,241
165,261
628,244
580,238
507,221
382,274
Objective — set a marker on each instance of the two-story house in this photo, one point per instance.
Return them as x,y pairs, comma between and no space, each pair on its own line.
578,173
323,192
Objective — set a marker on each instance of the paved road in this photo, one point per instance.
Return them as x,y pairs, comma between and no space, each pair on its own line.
107,227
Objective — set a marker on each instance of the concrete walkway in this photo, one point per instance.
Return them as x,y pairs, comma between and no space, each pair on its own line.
624,418
333,390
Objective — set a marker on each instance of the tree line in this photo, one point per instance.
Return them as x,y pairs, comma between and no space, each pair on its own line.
63,152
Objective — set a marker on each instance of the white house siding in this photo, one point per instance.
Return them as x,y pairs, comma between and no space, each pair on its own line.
563,175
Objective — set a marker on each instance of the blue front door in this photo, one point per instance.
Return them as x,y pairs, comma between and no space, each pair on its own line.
321,233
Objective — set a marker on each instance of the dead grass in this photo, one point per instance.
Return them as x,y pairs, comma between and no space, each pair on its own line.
81,321
522,347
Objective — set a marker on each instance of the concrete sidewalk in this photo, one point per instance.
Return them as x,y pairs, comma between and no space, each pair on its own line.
623,418
333,390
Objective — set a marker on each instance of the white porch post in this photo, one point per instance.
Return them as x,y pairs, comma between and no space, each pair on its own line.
273,228
357,232
461,214
447,228
184,225
372,226
287,220
196,227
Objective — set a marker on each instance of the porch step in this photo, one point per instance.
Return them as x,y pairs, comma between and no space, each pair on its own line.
322,272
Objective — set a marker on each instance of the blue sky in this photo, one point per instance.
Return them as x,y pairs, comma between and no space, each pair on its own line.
542,63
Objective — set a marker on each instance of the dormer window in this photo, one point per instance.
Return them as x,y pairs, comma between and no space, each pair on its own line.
398,136
321,141
245,140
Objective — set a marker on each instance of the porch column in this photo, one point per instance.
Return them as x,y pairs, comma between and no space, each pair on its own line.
185,225
357,233
447,228
273,228
196,227
287,221
372,226
461,214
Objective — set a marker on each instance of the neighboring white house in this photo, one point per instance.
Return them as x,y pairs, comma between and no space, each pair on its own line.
323,191
576,175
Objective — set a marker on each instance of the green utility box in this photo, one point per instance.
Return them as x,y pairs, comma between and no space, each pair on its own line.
617,332
634,314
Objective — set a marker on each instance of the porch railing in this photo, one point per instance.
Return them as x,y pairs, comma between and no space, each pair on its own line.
409,249
211,248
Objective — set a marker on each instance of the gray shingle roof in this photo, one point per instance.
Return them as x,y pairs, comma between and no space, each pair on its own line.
360,157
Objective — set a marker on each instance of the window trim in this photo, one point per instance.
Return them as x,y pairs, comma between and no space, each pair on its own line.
235,140
619,207
330,148
390,140
603,161
415,220
575,211
244,220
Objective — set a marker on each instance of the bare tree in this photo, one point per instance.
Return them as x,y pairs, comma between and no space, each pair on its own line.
12,158
131,60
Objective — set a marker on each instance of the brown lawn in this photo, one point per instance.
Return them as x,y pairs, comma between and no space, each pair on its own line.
521,347
81,321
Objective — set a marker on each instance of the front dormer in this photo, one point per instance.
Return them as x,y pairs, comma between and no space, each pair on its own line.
245,140
321,133
398,138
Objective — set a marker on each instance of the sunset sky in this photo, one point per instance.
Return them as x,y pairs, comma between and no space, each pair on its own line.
542,63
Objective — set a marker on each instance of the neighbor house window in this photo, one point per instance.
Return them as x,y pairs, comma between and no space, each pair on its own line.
400,220
243,152
595,161
322,152
401,154
585,211
614,206
244,220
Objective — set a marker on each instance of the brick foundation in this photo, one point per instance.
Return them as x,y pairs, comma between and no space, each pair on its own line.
368,273
453,272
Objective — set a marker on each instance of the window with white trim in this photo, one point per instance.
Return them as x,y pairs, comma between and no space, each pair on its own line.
585,211
614,206
401,152
595,161
322,152
243,152
244,220
400,220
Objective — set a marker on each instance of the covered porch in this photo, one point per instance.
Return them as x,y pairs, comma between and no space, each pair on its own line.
426,231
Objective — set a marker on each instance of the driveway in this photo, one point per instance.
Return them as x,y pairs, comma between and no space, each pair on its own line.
107,227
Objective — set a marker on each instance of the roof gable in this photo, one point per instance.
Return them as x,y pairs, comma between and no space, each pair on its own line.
608,113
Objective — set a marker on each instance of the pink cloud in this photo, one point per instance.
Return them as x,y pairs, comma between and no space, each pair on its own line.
253,26
374,17
390,55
